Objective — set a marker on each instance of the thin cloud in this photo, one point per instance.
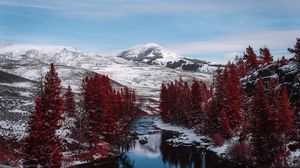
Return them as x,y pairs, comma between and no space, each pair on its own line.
91,9
274,39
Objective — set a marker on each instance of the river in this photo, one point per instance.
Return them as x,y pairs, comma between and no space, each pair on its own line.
148,149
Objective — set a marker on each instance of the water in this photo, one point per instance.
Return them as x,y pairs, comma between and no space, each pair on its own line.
149,149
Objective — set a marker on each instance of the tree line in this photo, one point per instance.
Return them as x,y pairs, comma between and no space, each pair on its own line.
99,117
263,119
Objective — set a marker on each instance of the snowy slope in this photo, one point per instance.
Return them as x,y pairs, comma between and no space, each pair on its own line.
153,54
29,61
150,53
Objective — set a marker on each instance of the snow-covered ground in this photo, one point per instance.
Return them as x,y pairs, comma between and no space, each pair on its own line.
188,137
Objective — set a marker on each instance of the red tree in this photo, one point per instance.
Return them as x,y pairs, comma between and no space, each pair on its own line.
33,143
164,104
232,96
261,128
251,59
287,118
52,109
70,104
266,56
286,129
45,145
223,120
296,50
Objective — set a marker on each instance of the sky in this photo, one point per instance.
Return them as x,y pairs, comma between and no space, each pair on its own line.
213,30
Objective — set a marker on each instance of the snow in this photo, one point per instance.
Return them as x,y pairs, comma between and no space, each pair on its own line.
187,136
13,129
145,79
150,50
18,84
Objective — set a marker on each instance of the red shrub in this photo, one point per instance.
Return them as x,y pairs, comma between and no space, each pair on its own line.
241,151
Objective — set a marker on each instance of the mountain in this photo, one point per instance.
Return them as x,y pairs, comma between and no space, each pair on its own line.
153,54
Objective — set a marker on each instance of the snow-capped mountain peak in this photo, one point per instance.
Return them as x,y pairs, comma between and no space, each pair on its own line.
150,53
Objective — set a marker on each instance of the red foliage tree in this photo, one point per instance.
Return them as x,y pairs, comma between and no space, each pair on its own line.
232,96
283,61
296,50
223,120
261,128
251,59
164,104
33,143
98,95
266,56
241,68
200,95
296,111
70,104
43,144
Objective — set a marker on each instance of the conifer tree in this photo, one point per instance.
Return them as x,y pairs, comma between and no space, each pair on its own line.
43,144
251,59
266,56
232,96
52,109
261,128
33,143
70,104
296,50
164,104
226,130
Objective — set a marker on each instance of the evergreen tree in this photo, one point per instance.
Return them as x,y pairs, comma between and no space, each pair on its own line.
261,128
52,109
251,59
70,104
266,56
296,50
232,96
223,120
33,143
43,146
164,104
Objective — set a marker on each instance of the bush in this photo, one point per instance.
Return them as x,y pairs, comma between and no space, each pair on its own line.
241,152
218,139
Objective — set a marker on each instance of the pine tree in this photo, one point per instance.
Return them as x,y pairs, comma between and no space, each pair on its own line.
296,50
223,120
266,56
232,96
241,68
261,127
43,146
287,118
70,104
296,111
164,104
52,109
286,128
33,143
251,59
198,99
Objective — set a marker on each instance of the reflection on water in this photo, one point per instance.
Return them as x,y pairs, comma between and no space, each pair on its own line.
154,152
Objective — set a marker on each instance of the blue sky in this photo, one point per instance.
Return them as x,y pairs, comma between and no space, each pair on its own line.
208,29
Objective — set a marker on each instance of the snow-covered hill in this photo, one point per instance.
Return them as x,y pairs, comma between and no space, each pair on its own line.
30,61
150,53
153,54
